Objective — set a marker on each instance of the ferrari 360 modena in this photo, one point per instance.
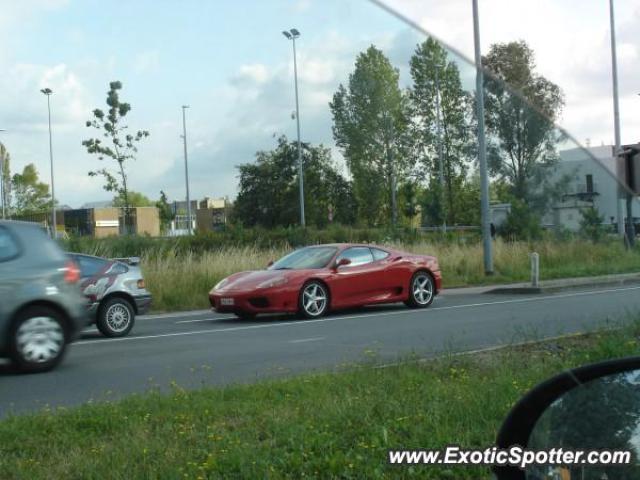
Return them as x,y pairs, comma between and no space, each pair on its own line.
313,280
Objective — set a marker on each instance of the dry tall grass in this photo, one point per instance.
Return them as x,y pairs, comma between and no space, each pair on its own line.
182,281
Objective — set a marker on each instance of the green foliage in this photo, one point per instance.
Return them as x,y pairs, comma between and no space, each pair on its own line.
435,79
591,224
522,223
268,193
370,125
119,145
165,212
30,195
136,199
521,108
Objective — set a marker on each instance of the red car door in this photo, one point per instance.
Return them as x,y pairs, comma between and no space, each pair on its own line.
358,283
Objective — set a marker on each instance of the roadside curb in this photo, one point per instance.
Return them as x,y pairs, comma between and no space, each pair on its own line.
551,286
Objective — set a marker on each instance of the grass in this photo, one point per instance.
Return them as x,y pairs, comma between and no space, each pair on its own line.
181,280
330,425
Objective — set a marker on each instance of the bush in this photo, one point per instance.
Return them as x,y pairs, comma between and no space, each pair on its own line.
522,223
591,226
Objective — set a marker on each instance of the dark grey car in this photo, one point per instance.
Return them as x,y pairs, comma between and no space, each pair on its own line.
41,307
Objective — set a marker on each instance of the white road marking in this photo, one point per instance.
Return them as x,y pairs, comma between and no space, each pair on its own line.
203,320
174,314
298,323
304,340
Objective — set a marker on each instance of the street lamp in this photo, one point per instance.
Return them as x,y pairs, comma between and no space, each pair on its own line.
482,152
440,156
2,194
292,34
186,166
48,92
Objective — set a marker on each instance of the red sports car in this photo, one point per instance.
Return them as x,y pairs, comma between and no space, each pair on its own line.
313,280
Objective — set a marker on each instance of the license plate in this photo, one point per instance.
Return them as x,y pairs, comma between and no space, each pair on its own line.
226,301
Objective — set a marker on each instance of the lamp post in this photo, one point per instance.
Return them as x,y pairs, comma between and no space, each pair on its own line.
440,155
48,92
482,153
186,166
292,34
616,112
2,194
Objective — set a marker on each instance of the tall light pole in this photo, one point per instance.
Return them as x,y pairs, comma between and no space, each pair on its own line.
186,166
482,152
292,34
440,156
48,92
616,113
2,194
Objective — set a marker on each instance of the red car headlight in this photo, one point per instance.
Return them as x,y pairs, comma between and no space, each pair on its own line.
273,282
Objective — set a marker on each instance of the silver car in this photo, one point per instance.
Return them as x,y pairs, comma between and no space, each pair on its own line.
115,290
41,307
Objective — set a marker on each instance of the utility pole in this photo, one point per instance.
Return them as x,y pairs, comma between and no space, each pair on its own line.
2,179
292,35
186,167
54,225
482,153
616,115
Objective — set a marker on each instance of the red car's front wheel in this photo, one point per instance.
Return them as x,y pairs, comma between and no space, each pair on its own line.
314,300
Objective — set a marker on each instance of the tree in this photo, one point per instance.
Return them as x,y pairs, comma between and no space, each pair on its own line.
521,108
370,120
30,195
118,145
136,199
591,224
165,212
268,188
5,177
434,77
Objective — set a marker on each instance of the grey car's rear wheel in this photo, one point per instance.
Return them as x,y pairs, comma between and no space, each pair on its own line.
421,290
115,317
37,340
314,299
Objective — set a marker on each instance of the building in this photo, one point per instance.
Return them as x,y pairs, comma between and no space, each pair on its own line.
110,221
213,214
591,180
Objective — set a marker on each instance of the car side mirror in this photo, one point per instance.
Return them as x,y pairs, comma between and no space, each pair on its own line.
591,408
270,263
342,262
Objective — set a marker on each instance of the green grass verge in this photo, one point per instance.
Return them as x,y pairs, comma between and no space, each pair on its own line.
332,425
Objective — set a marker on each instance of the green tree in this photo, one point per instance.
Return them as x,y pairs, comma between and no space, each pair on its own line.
521,108
591,224
268,188
136,199
30,195
118,145
165,212
434,77
5,177
370,125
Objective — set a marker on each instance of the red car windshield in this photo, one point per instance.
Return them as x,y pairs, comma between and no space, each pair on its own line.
309,257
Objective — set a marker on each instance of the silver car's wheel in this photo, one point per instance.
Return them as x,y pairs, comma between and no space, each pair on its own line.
38,339
421,290
314,300
115,317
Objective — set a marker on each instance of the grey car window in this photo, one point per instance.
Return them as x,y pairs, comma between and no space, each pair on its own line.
379,254
357,255
8,246
90,266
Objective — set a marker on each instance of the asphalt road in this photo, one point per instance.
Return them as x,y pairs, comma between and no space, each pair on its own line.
205,348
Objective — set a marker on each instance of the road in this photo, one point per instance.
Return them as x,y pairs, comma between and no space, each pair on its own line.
204,348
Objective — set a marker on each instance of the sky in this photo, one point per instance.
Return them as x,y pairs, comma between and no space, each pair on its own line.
231,64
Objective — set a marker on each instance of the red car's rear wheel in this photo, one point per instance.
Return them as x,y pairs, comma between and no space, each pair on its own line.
421,290
314,299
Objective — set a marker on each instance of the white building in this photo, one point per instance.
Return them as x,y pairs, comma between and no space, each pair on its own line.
592,181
